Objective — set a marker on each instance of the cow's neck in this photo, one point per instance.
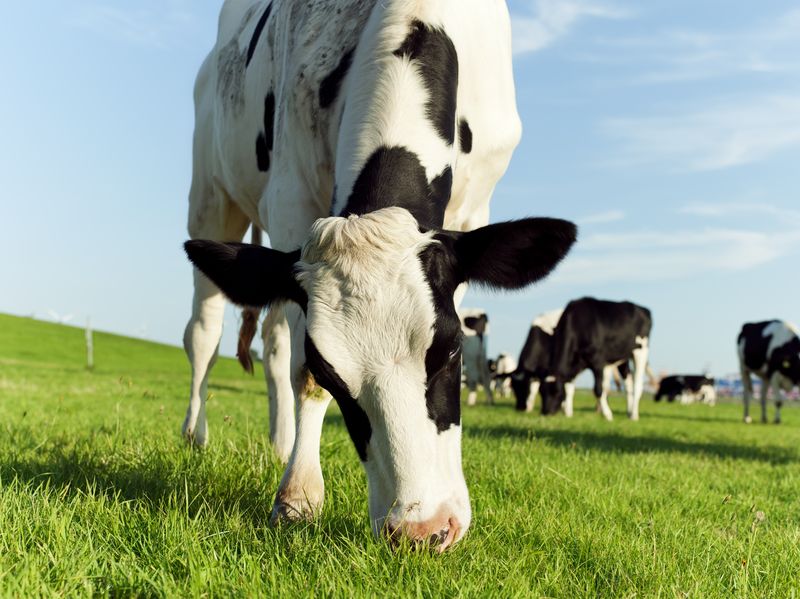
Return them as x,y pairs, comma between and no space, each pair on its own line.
396,142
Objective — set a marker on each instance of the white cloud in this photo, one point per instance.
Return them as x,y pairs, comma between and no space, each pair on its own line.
553,19
761,210
658,255
769,47
610,216
731,133
136,24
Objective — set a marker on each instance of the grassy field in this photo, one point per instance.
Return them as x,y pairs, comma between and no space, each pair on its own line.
100,496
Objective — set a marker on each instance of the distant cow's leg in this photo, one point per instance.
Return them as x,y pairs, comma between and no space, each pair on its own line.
629,391
747,392
569,400
211,216
765,385
302,489
533,391
777,397
604,378
277,371
640,357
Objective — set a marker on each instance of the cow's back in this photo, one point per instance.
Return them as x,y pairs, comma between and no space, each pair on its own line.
286,78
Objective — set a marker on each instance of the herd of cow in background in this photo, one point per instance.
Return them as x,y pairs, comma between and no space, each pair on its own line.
611,339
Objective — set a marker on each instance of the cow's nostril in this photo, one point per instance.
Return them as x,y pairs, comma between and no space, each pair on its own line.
437,539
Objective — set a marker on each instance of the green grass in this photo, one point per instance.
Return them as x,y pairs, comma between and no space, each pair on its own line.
100,496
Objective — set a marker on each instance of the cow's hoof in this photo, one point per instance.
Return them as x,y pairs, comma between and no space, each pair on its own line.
197,438
634,417
777,421
748,420
286,512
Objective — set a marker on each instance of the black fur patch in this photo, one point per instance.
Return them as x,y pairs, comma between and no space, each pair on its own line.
266,139
330,86
251,49
395,177
443,359
433,49
465,136
355,419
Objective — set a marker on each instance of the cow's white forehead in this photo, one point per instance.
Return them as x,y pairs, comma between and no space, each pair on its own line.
358,243
370,311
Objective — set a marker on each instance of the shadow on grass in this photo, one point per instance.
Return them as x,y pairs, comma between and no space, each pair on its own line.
161,481
611,442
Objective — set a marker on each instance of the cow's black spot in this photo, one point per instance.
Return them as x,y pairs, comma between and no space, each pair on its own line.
266,139
395,177
465,136
330,86
443,359
436,55
355,419
251,49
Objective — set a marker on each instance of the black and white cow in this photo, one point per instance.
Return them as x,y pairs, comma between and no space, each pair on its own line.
599,335
771,351
475,328
533,366
365,137
688,388
501,371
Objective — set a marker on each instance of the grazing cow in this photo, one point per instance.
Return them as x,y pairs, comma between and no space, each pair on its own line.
534,363
771,351
501,371
689,388
475,327
365,138
599,335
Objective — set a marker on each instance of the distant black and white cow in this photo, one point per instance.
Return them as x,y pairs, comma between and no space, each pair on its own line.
533,366
501,371
771,351
475,327
599,335
687,388
365,137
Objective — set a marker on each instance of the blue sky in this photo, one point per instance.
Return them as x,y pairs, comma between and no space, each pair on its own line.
669,130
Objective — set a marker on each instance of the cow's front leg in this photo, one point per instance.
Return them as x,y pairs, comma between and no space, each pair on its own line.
776,396
277,371
302,489
569,399
765,385
747,393
602,385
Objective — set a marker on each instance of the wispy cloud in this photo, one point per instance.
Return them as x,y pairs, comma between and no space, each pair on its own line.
658,255
136,24
610,216
553,19
728,209
734,132
771,46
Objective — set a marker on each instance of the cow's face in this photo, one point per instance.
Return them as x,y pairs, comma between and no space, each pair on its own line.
521,385
383,337
553,395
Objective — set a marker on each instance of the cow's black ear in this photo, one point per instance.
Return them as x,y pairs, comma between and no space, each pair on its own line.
513,254
249,275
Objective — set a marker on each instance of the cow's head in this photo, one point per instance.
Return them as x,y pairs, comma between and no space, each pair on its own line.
521,385
553,395
383,337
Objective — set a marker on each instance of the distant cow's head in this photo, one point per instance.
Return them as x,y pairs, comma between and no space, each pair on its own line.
383,337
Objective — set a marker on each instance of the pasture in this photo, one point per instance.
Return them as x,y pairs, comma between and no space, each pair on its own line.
100,496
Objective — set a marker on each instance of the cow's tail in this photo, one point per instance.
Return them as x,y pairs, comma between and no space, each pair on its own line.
249,320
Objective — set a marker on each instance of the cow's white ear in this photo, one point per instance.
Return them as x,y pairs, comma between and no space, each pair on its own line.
513,254
249,275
